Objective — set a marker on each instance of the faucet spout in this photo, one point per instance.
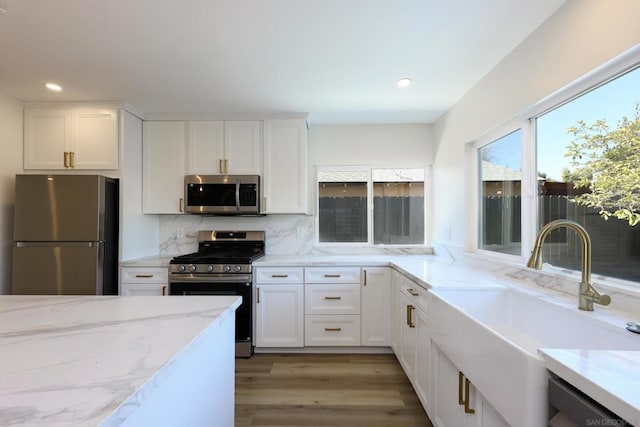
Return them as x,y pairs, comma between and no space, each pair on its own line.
588,294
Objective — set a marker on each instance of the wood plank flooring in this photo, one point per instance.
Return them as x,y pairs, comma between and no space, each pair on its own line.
325,390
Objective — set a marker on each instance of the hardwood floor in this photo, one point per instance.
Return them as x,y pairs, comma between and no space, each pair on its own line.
325,390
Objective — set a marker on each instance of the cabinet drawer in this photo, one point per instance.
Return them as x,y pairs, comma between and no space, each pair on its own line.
332,330
279,275
332,275
416,293
145,275
332,299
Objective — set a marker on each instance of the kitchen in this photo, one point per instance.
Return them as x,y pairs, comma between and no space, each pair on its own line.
493,100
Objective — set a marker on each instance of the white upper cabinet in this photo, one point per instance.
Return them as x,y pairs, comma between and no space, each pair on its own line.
225,147
163,166
59,138
243,147
206,147
285,186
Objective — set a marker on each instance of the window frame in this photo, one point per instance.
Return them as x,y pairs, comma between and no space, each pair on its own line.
370,222
526,122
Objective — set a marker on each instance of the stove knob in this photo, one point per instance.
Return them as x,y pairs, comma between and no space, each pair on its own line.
238,269
192,268
226,268
181,268
209,268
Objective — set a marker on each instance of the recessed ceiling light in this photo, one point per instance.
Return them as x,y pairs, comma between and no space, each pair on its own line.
54,87
403,82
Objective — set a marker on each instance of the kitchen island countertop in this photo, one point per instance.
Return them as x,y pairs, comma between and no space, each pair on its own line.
93,360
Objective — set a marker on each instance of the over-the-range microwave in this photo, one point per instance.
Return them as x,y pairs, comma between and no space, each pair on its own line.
222,194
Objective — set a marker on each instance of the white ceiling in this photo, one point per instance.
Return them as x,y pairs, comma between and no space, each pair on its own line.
335,59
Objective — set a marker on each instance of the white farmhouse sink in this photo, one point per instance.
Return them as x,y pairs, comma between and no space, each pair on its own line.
492,335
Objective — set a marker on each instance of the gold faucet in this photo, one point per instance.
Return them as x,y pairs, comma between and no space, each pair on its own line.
588,294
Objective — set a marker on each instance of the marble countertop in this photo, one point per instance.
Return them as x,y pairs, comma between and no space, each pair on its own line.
83,360
612,378
150,261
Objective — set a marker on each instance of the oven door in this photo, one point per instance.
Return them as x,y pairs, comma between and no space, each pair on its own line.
221,284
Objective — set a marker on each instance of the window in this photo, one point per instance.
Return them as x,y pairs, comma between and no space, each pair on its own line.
500,202
586,169
380,206
616,244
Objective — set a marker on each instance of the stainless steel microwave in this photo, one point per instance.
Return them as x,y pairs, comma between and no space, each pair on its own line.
222,194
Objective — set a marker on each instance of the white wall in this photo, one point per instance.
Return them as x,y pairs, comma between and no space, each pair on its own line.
10,164
579,37
370,145
398,145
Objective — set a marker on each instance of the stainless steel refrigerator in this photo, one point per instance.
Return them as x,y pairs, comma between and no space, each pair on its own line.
65,235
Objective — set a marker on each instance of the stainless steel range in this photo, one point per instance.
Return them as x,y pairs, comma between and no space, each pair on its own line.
222,266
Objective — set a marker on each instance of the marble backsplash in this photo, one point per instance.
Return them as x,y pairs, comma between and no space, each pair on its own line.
281,235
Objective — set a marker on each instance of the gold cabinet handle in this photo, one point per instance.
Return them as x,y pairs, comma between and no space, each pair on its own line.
264,203
280,276
164,291
332,297
66,159
463,396
412,292
364,280
72,159
467,409
410,309
332,329
226,166
144,276
180,203
333,276
220,165
257,295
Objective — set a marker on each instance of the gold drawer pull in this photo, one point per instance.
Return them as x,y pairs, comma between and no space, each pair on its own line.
280,276
412,292
410,323
144,276
164,291
333,276
332,329
332,297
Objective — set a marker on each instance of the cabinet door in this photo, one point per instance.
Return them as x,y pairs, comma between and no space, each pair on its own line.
243,147
206,148
163,159
376,306
47,135
95,139
409,337
143,289
285,185
279,315
422,373
446,410
397,319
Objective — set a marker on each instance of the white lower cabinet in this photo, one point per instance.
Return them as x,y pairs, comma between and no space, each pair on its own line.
279,315
376,306
455,401
279,307
144,281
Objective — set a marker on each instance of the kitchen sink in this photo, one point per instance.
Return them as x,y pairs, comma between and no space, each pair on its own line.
493,335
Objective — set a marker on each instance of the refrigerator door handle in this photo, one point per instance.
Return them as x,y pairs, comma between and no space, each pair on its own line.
69,244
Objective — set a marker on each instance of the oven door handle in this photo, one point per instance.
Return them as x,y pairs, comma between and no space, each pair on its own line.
238,195
211,278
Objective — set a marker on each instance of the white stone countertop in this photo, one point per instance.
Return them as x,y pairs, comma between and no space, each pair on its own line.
150,261
88,360
612,378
